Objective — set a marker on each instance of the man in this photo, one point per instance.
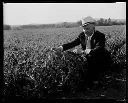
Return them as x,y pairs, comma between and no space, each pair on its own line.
93,45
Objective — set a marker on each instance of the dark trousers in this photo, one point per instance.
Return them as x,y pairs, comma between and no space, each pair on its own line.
97,65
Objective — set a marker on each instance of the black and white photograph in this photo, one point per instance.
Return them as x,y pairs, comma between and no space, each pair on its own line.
64,51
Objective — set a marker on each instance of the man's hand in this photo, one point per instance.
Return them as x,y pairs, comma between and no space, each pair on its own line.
58,49
75,50
87,51
78,51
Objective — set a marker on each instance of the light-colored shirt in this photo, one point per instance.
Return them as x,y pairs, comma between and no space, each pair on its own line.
88,43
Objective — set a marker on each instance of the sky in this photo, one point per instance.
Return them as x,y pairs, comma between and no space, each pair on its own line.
47,13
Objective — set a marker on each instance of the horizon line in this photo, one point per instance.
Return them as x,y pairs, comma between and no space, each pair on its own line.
59,22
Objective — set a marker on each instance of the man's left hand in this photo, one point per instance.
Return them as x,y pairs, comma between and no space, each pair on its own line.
78,51
87,51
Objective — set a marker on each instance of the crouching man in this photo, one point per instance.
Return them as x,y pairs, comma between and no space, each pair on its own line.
93,45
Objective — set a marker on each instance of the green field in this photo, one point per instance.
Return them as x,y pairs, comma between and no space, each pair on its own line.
26,52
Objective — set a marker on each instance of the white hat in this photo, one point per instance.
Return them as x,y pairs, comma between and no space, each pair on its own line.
87,20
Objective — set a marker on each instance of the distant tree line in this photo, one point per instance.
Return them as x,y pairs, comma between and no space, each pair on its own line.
109,22
100,22
7,27
60,25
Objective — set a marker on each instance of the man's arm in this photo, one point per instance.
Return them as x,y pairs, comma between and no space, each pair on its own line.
71,44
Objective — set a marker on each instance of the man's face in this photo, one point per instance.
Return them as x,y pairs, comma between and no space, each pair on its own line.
89,29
